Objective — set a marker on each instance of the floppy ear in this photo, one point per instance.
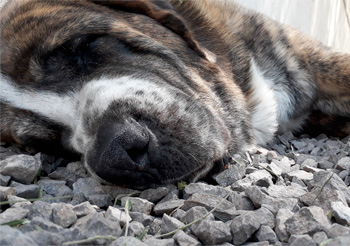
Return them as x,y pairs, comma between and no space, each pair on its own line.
164,13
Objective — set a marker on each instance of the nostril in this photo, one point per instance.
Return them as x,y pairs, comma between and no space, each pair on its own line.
139,156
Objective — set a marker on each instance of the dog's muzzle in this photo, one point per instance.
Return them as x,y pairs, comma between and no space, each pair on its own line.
125,153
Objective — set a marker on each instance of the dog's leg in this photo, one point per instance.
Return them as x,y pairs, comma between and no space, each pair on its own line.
331,74
330,71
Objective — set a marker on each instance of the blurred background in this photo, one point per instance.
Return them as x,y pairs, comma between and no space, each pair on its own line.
326,20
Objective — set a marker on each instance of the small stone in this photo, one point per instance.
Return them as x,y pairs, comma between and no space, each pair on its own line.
170,224
26,191
78,169
334,183
258,198
135,228
344,164
138,205
282,216
339,241
274,168
155,227
19,202
341,213
61,173
141,217
182,239
55,187
243,227
160,242
168,206
195,213
11,214
41,209
300,174
319,237
193,188
265,233
5,191
154,195
86,186
309,163
96,225
297,240
284,164
241,201
230,175
179,214
117,215
4,180
338,230
324,164
63,214
299,145
83,209
292,191
308,220
13,237
22,168
46,238
43,224
100,200
252,179
212,232
127,241
271,155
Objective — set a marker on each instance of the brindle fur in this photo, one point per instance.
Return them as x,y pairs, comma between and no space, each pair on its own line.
201,51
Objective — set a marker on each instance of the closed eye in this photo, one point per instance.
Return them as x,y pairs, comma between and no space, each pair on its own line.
78,51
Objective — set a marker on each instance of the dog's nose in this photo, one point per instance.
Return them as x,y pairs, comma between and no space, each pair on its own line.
122,153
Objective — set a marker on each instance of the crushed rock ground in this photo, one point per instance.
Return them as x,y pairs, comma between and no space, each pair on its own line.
295,191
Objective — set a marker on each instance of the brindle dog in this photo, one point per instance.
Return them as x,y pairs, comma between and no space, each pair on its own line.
153,92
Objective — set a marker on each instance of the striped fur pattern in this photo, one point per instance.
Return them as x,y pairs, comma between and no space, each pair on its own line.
154,92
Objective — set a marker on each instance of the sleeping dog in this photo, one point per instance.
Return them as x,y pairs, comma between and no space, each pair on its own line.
153,92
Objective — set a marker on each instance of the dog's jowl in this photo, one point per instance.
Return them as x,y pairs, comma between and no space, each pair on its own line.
154,92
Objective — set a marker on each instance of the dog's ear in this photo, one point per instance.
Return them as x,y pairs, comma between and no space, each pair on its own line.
163,12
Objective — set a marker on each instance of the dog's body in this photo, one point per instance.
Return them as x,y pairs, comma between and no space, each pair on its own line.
152,92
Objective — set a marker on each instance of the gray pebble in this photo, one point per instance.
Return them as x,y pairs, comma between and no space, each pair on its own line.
26,191
117,215
13,237
127,241
168,206
265,233
224,212
63,214
83,209
341,213
308,220
22,168
154,195
297,240
4,180
11,214
183,239
139,205
160,242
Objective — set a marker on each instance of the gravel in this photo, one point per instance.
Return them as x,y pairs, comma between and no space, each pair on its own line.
295,191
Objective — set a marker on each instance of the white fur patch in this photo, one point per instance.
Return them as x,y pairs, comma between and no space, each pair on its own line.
272,106
59,108
264,111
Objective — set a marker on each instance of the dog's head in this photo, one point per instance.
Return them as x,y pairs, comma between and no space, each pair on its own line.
123,83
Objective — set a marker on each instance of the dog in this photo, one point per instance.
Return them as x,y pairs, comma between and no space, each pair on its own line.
154,92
